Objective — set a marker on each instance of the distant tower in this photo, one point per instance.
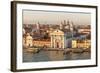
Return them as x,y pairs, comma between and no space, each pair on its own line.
64,22
38,25
61,25
38,28
67,25
71,27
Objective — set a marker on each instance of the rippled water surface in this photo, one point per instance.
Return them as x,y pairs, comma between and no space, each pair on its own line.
53,56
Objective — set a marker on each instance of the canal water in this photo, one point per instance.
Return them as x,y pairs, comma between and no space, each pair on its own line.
43,56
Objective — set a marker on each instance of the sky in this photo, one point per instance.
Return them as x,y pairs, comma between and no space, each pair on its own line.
51,17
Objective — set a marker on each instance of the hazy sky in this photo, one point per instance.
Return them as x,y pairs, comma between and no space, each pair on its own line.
31,17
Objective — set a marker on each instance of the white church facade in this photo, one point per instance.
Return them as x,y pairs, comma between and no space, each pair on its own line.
59,39
28,40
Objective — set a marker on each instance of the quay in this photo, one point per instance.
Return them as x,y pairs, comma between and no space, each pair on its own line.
66,50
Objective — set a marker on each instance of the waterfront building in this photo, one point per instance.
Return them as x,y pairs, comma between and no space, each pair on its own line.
74,43
28,40
79,43
59,39
42,43
84,30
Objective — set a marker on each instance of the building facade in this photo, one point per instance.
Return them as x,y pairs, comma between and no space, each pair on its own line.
58,39
81,44
28,40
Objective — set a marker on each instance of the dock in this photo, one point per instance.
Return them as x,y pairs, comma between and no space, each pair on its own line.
65,50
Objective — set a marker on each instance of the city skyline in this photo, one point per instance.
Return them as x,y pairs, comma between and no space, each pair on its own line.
56,36
50,17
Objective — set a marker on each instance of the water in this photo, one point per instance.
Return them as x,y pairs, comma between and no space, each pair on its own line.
53,56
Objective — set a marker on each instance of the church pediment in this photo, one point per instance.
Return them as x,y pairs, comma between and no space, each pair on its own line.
57,32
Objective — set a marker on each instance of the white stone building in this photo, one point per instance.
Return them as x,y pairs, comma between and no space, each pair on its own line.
59,39
29,40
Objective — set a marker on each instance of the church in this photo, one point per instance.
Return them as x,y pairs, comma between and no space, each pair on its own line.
60,37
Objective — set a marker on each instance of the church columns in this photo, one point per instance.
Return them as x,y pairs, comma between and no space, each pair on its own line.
54,44
51,41
57,41
64,40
